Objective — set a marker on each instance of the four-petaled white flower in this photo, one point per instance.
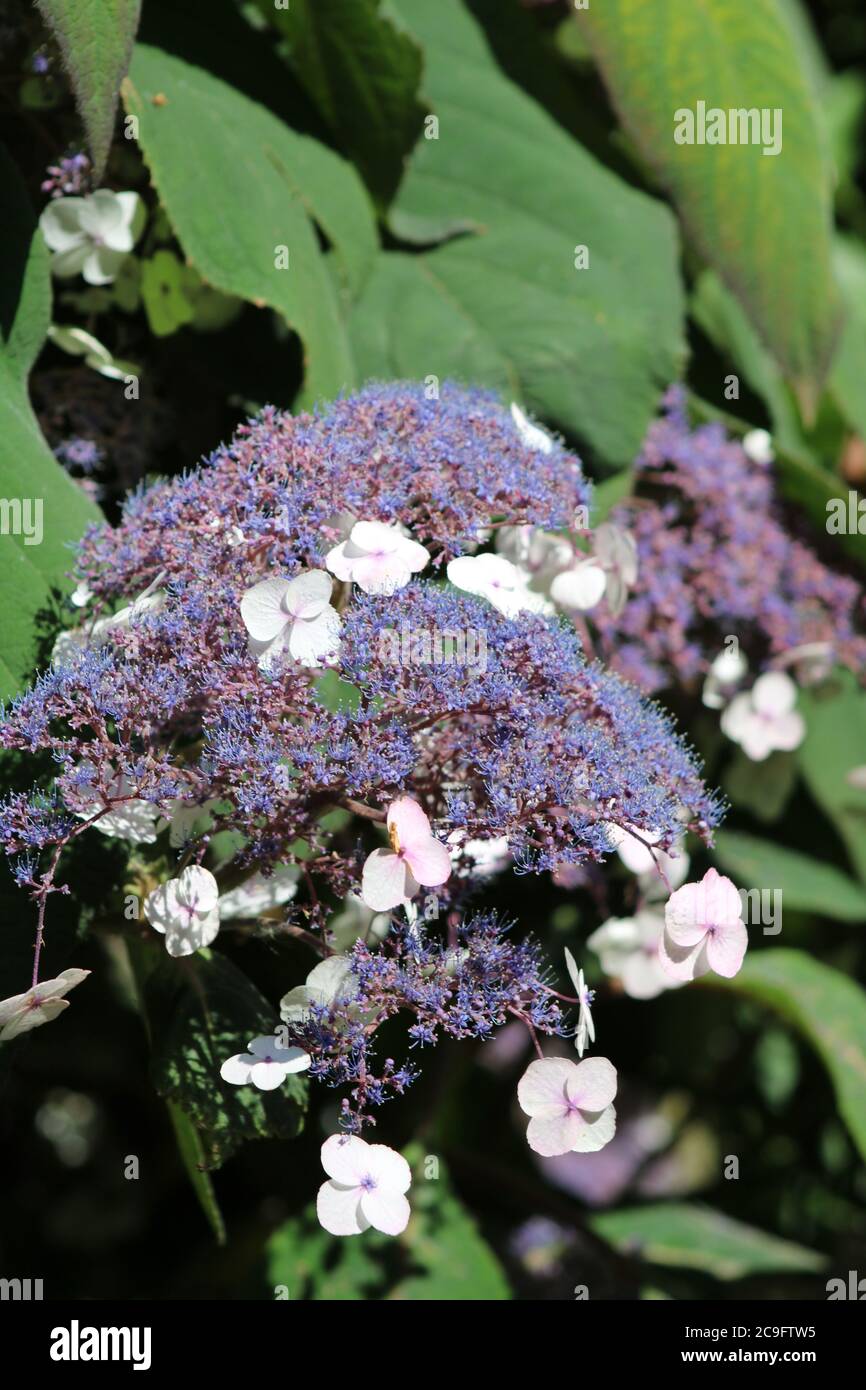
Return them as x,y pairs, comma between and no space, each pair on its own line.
265,1064
533,436
704,929
92,235
585,1026
570,1105
725,673
332,979
416,858
40,1004
380,559
293,615
628,948
186,910
367,1187
496,579
763,719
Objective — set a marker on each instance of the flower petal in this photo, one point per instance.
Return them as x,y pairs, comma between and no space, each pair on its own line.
726,947
307,595
553,1134
387,1210
236,1070
388,1167
262,609
581,587
683,962
310,641
339,1210
344,1158
592,1085
594,1131
774,693
542,1087
384,881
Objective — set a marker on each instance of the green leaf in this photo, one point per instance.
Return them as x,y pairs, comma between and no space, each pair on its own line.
163,292
30,476
443,1239
849,365
192,1155
801,475
763,221
363,74
827,1008
834,745
590,349
95,38
806,885
763,788
304,1262
684,1236
203,140
201,1011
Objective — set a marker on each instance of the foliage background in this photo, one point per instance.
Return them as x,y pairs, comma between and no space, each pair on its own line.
454,257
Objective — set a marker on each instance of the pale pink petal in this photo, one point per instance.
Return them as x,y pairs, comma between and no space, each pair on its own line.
387,1210
384,881
11,1006
758,738
721,901
375,537
388,1167
726,947
307,594
339,562
542,1087
789,730
381,574
262,609
414,555
594,1131
236,1070
737,718
592,1084
683,962
430,863
407,820
344,1158
187,937
339,1210
684,919
774,694
65,981
553,1134
310,641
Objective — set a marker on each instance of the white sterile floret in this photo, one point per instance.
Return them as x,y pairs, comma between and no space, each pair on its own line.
92,235
533,436
585,1031
186,910
294,616
40,1004
265,1064
380,559
496,579
259,894
763,719
366,1187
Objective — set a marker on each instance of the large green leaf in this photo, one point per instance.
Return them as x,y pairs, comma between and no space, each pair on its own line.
806,885
827,1008
762,220
801,474
192,1155
29,572
95,38
363,74
695,1237
200,1011
503,304
238,185
834,745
